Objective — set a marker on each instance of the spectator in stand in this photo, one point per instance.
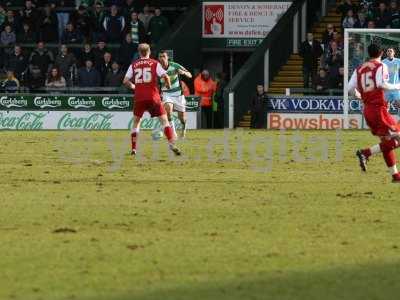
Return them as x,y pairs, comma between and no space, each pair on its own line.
55,79
258,107
205,87
114,25
65,62
339,41
349,21
128,7
328,34
366,10
63,16
12,20
81,21
310,51
8,39
36,78
97,19
361,21
146,17
115,76
371,24
48,25
85,55
41,58
127,52
345,6
99,52
382,17
105,66
334,60
88,76
26,35
136,29
71,35
3,14
10,84
395,15
321,82
17,62
336,81
30,15
158,26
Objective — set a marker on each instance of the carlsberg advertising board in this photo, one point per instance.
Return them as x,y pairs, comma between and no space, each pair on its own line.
80,120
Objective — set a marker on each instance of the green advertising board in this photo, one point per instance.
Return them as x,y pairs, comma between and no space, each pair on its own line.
45,102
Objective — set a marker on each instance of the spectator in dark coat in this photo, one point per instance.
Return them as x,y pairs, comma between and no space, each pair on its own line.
334,60
30,15
321,82
26,35
41,58
99,52
97,18
71,35
115,76
17,62
158,26
361,22
85,55
395,15
258,108
328,34
345,6
81,20
114,25
310,51
12,20
48,25
88,76
65,62
383,16
127,52
105,66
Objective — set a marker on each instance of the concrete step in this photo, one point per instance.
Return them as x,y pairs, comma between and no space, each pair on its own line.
292,68
288,78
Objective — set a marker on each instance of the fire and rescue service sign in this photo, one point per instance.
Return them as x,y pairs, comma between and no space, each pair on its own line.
241,24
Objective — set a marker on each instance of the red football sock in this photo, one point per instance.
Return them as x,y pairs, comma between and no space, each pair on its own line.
390,158
388,145
169,133
134,136
367,152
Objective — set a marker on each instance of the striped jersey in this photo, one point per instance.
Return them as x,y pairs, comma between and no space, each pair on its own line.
173,74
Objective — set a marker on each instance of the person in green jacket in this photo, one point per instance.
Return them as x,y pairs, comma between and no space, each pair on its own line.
158,26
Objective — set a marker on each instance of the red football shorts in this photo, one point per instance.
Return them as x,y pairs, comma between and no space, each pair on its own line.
155,108
380,121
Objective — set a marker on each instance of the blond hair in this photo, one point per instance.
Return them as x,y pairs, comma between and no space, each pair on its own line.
144,49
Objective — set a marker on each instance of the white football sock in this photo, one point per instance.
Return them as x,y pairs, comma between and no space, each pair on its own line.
393,170
375,149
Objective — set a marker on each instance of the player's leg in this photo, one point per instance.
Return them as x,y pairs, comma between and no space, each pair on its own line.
169,133
169,108
182,119
158,110
135,133
180,107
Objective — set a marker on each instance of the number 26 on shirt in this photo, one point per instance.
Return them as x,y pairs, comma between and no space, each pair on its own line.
143,75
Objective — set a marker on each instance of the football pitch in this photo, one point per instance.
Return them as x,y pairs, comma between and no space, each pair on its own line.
243,215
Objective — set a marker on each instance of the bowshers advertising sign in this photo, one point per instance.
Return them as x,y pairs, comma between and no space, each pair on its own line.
240,24
313,112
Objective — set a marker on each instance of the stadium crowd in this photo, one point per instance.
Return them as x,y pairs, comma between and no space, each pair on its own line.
85,43
323,60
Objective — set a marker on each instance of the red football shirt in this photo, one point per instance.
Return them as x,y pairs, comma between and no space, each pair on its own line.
144,73
369,78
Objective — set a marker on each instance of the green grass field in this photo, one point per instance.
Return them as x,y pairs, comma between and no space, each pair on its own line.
80,219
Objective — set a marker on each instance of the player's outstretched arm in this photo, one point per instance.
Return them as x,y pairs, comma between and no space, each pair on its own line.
167,80
128,79
184,72
128,83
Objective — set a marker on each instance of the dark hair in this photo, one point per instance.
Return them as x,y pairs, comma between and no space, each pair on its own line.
374,50
163,52
50,78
